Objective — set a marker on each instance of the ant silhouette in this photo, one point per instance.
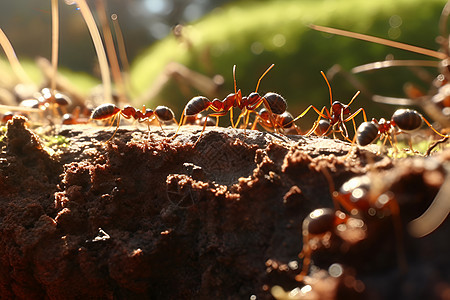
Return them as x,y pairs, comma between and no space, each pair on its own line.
403,119
283,122
274,103
359,204
337,116
106,111
439,96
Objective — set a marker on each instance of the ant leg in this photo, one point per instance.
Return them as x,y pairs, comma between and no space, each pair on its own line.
266,104
316,123
217,115
231,118
201,133
432,146
306,255
353,115
181,123
432,128
255,122
320,113
117,127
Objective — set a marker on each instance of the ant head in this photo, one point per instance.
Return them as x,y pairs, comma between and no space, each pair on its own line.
337,106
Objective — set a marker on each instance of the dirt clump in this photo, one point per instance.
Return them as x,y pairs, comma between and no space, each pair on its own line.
148,216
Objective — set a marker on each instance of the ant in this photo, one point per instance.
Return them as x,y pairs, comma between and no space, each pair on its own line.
108,110
364,204
340,114
405,119
285,121
439,98
272,101
74,117
317,229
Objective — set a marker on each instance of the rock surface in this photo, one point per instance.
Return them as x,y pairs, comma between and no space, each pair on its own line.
150,217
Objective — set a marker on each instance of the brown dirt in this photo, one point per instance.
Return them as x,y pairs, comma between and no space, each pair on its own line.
141,218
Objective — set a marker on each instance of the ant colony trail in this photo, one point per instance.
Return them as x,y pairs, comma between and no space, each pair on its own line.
236,197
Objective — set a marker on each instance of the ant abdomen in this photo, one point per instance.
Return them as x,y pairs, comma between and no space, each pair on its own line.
164,113
55,97
407,119
367,132
286,120
196,105
277,103
319,221
105,111
323,127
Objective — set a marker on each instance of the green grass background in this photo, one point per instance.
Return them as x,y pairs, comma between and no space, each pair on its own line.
225,37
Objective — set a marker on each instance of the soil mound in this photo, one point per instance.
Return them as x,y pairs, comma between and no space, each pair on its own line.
147,216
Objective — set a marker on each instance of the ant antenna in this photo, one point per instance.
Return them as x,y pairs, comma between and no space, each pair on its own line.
264,74
382,41
234,78
12,58
55,46
102,60
354,97
110,49
329,87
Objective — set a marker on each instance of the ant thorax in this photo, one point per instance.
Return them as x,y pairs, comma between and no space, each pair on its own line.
383,125
339,111
129,112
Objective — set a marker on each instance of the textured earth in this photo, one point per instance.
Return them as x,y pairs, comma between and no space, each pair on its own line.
147,216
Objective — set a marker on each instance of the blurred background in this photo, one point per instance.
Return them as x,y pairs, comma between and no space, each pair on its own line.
178,49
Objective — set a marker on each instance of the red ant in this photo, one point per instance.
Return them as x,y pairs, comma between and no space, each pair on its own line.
285,121
47,99
340,114
107,111
404,119
316,230
273,102
440,97
362,203
74,117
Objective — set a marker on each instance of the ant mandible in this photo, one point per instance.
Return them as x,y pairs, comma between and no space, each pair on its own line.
338,115
405,119
108,110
